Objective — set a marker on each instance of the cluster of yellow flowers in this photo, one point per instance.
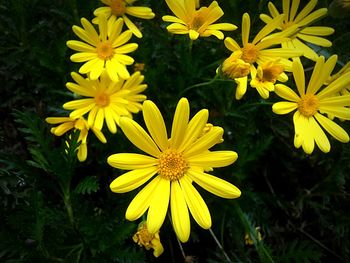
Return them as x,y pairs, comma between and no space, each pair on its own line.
171,164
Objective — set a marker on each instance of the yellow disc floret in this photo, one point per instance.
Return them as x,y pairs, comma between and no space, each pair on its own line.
102,99
308,105
118,7
250,53
105,50
172,165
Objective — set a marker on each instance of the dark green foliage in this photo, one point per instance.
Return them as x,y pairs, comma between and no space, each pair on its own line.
56,209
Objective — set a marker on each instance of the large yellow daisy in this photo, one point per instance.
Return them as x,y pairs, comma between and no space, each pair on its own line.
258,51
105,50
171,166
313,102
106,100
196,23
122,8
302,20
66,124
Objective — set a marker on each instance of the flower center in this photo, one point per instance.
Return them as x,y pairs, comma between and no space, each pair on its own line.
197,21
271,74
143,237
308,105
105,50
118,7
250,53
172,165
102,99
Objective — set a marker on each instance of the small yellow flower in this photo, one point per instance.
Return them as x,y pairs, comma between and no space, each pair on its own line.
123,8
106,100
105,50
258,51
148,240
248,240
233,67
196,23
66,124
171,166
314,101
301,21
265,77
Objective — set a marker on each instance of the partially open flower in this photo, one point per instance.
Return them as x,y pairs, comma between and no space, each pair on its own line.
148,240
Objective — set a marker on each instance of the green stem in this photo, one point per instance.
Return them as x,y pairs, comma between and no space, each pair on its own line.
69,208
199,85
219,245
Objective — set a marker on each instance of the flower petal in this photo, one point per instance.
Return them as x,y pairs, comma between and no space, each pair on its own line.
284,107
332,128
133,179
130,161
213,159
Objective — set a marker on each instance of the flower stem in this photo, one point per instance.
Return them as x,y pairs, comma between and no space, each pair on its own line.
220,246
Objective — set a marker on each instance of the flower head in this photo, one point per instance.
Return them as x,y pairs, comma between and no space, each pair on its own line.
196,23
171,166
105,50
258,51
123,8
66,124
265,77
314,101
148,240
302,20
106,100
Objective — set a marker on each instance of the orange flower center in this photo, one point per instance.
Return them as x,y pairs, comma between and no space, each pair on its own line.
197,20
308,105
105,50
102,99
250,53
172,165
118,7
271,74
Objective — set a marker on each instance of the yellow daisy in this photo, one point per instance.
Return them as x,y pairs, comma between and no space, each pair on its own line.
314,101
196,23
302,20
265,77
148,240
258,51
171,166
66,124
106,100
122,8
105,50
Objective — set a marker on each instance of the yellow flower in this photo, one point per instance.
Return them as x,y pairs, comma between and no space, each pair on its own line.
122,8
301,20
66,124
196,23
148,240
106,100
258,50
264,78
105,50
314,101
248,240
234,67
171,166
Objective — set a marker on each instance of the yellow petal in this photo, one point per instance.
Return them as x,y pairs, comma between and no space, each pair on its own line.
159,206
137,135
179,212
180,121
299,76
133,179
132,27
155,124
284,107
196,204
332,128
194,128
231,44
142,200
214,184
213,159
205,142
82,152
130,161
319,136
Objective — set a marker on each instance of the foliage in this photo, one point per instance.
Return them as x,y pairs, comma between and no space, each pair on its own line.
55,209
